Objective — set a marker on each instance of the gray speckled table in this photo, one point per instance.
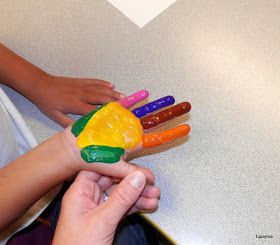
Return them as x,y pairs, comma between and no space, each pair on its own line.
222,184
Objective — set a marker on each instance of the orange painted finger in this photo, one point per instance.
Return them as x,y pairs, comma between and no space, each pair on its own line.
154,139
165,115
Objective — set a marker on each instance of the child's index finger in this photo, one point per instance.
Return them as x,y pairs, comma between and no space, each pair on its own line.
134,98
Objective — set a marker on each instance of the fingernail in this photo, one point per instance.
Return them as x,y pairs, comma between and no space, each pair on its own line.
122,96
137,180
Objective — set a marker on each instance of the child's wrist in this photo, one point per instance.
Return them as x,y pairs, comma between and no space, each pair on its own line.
37,85
73,157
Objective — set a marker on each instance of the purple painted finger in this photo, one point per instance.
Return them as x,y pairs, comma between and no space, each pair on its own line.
134,98
153,106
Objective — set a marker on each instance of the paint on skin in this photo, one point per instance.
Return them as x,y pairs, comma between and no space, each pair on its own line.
154,139
112,126
105,154
104,134
134,98
80,124
153,106
165,115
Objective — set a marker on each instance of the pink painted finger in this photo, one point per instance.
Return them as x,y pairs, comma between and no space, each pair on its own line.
134,98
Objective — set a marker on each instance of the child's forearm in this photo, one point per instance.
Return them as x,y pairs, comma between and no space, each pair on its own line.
29,177
18,73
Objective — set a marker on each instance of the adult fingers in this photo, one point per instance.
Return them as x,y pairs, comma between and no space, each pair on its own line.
91,184
105,183
144,204
123,197
150,191
120,170
83,188
147,201
88,176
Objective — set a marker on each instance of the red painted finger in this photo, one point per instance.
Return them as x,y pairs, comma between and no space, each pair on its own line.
165,115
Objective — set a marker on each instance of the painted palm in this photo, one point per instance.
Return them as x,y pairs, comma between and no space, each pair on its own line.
104,135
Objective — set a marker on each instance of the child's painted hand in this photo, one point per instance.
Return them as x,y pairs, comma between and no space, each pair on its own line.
58,96
106,134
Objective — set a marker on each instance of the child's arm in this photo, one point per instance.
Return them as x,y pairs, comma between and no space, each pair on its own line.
29,177
101,139
55,96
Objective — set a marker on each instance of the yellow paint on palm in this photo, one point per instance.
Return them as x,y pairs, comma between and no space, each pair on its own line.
114,126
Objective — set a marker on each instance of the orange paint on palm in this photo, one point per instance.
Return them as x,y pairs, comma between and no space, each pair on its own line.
154,139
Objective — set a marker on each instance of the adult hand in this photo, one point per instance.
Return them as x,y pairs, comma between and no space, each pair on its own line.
86,218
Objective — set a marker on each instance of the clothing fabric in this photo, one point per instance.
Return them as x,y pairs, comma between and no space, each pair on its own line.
8,144
15,140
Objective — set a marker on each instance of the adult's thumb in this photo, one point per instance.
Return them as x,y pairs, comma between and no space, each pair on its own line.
123,197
